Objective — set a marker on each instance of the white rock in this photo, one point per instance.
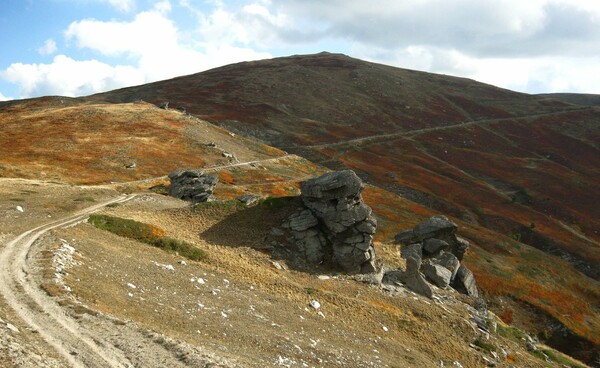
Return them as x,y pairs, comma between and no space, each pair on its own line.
321,314
19,208
323,277
130,295
201,281
224,315
182,262
12,328
385,329
315,304
169,267
457,364
132,286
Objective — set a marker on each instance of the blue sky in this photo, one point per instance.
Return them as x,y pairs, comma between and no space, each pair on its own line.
80,47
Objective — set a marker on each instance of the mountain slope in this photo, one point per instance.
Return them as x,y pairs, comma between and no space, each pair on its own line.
526,168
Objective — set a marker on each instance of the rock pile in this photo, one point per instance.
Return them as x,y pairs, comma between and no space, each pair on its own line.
191,185
335,223
432,249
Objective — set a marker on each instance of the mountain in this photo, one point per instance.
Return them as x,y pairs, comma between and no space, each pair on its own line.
518,173
525,167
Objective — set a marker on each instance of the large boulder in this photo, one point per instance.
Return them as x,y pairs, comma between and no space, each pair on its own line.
335,209
438,227
449,261
464,282
191,185
437,275
432,247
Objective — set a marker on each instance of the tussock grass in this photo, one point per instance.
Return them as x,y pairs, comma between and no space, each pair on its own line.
147,234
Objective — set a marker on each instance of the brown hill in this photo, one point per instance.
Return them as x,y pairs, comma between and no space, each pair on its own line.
524,167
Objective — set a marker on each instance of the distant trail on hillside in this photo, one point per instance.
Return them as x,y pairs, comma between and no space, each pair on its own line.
379,137
40,312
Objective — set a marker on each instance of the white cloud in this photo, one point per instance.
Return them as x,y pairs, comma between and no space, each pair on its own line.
48,48
68,77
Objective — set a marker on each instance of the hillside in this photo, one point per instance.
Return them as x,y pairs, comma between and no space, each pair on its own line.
518,174
524,167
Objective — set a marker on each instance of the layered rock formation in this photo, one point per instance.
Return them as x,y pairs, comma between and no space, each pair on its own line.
335,222
192,185
433,252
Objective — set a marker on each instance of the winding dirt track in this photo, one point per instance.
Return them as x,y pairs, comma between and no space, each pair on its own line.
41,312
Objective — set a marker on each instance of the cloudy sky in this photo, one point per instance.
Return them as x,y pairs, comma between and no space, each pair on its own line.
79,47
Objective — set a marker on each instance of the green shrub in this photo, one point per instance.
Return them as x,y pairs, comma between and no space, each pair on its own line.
182,248
147,234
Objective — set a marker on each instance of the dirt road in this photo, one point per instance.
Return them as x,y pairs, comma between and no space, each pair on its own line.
40,311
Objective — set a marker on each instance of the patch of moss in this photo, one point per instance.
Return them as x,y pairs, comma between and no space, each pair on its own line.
510,332
489,347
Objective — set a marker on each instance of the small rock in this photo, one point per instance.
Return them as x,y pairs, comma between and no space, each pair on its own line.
169,267
182,262
19,208
130,165
248,199
385,329
323,277
227,155
457,364
277,265
12,328
201,281
132,286
315,304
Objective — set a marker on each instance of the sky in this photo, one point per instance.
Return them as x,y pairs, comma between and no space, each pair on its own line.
81,47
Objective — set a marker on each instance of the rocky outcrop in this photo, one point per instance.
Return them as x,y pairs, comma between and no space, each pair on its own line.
335,220
433,252
191,185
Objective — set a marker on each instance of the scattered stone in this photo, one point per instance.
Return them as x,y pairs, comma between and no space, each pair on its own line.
201,281
191,185
211,144
464,282
20,209
227,155
12,328
164,105
323,277
385,329
315,304
182,262
248,199
131,165
131,286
